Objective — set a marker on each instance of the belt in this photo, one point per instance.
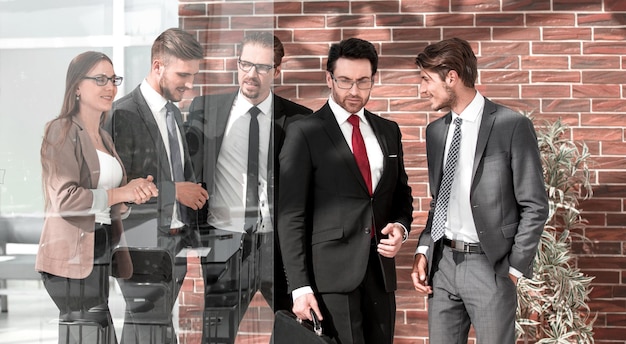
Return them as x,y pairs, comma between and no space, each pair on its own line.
462,246
176,231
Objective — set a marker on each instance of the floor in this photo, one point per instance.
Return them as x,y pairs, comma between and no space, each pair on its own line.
32,317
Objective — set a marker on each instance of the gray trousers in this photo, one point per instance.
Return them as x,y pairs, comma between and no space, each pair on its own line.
467,291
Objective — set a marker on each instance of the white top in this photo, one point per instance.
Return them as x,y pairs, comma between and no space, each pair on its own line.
110,177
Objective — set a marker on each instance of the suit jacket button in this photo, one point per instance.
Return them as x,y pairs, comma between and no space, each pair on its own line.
367,230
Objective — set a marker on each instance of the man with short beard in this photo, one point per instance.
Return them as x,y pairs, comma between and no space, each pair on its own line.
489,203
345,206
218,134
148,145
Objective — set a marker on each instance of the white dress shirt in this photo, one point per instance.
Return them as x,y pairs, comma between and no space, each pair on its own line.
156,103
227,205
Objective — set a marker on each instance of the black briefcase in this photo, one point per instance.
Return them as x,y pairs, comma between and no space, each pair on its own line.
288,329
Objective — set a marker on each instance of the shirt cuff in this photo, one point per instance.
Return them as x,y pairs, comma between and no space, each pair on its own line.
421,250
100,202
513,271
405,236
301,291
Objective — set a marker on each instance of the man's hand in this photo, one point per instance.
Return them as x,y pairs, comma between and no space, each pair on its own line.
390,246
191,195
303,304
418,275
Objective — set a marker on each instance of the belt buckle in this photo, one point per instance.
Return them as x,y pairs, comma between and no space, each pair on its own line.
458,245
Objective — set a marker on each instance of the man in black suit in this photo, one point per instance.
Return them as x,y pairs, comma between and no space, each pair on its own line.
218,134
148,145
489,203
345,206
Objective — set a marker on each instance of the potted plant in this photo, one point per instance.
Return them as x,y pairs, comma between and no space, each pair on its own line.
552,306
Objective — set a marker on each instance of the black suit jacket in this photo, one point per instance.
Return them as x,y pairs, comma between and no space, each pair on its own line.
205,127
508,197
140,146
325,211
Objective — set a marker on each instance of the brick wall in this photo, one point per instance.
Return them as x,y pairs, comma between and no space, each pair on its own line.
556,58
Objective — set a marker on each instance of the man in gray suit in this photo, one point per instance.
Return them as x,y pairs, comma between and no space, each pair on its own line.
147,130
489,203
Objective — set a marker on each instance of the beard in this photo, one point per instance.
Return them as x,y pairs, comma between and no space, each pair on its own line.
349,102
253,93
173,96
447,103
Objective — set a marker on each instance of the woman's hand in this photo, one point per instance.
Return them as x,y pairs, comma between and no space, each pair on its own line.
140,190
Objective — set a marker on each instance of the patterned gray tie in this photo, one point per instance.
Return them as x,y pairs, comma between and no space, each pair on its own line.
178,173
443,196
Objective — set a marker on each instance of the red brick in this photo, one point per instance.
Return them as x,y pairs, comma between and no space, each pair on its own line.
595,62
185,10
499,91
505,48
609,105
607,48
597,91
560,48
525,5
330,7
449,19
498,62
475,5
230,9
612,34
294,22
545,76
378,7
601,19
371,35
579,5
550,91
286,7
566,33
545,62
614,148
504,77
614,5
423,6
499,19
420,35
345,21
404,20
551,19
517,34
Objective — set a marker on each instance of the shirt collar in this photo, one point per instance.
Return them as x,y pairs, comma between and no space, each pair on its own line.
242,105
341,115
155,101
474,110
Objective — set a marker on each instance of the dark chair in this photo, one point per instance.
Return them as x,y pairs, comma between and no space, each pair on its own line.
148,296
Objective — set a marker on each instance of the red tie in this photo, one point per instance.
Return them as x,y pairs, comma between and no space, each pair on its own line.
360,153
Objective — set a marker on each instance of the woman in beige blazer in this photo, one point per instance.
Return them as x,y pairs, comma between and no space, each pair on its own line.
85,193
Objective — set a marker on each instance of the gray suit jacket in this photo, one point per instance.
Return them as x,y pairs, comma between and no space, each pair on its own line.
508,196
140,146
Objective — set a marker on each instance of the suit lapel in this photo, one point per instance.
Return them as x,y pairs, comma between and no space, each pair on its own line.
153,130
379,132
343,150
90,155
439,133
486,124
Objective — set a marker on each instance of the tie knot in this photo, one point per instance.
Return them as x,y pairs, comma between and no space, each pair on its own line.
169,107
254,111
354,120
458,121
